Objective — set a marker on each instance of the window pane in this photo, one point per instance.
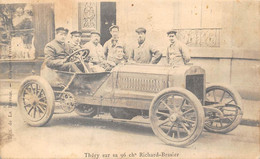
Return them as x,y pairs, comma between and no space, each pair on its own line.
17,32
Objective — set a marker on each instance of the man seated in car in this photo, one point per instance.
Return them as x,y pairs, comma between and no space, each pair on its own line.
74,43
96,57
56,54
119,57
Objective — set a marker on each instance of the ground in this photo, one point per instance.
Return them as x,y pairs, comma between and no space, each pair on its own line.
72,136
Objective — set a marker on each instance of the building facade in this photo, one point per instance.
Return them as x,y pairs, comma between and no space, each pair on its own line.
223,36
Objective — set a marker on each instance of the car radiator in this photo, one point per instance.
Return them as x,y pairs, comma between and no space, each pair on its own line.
195,84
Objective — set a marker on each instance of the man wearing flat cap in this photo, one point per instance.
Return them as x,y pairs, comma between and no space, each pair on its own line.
177,52
96,53
74,42
111,45
144,52
56,53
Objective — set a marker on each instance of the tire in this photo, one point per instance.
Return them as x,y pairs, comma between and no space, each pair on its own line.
230,121
178,107
86,110
35,96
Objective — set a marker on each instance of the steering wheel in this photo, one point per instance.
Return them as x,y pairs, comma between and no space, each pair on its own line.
79,56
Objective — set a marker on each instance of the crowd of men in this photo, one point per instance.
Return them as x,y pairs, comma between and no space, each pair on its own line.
104,58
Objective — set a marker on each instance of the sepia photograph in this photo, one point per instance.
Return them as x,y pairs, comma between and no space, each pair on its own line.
117,79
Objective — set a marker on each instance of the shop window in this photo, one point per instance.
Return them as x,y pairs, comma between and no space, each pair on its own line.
17,32
24,30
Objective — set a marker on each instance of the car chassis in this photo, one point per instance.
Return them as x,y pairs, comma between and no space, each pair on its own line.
175,98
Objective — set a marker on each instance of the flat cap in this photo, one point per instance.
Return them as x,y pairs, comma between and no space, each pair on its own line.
140,30
61,29
95,32
172,32
76,32
113,26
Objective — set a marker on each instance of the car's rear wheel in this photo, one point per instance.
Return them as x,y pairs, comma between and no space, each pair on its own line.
230,104
177,117
86,110
36,101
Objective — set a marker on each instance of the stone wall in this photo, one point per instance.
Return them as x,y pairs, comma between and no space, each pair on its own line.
239,68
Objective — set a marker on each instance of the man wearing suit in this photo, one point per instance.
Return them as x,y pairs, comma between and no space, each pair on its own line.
144,52
177,52
56,54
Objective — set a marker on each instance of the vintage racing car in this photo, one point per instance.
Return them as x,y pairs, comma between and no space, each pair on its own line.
175,98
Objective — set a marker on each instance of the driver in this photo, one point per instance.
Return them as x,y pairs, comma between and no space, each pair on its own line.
56,54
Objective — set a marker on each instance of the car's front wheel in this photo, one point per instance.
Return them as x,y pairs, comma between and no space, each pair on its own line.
36,100
177,117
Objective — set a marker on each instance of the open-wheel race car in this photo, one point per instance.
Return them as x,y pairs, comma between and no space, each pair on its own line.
175,98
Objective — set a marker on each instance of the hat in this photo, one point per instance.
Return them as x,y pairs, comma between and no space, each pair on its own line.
76,32
95,32
139,30
172,32
113,26
61,29
119,46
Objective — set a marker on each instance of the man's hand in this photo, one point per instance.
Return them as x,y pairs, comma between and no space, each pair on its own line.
68,63
65,60
111,63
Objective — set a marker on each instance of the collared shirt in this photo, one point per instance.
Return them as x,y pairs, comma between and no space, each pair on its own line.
110,47
55,53
177,53
145,53
96,53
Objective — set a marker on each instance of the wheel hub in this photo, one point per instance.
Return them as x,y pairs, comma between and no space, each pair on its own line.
174,117
33,100
34,103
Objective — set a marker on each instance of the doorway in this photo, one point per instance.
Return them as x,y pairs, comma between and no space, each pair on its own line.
108,18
